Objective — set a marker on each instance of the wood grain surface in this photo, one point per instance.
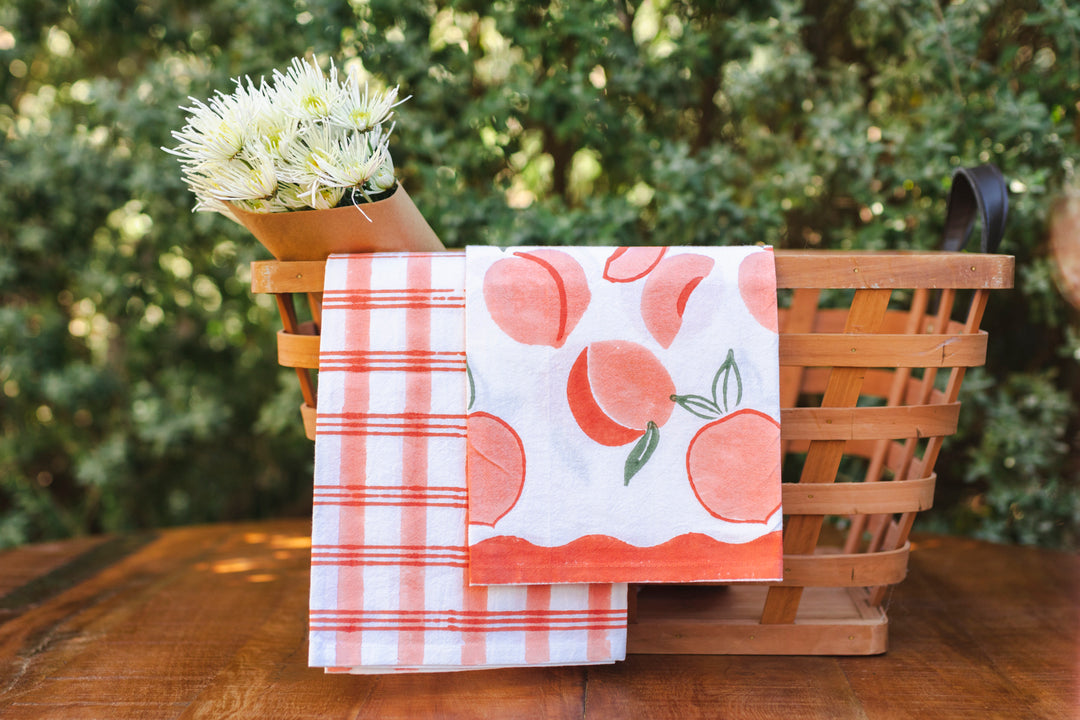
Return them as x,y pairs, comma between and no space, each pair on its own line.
210,622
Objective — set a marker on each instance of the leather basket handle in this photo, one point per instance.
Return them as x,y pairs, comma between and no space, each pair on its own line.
977,190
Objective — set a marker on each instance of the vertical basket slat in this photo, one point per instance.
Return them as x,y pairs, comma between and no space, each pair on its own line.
801,532
283,280
897,393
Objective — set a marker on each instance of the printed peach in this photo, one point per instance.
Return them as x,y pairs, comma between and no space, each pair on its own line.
616,388
730,467
628,264
667,290
537,297
495,468
757,288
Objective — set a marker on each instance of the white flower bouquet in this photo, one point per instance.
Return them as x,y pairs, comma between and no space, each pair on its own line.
303,162
306,140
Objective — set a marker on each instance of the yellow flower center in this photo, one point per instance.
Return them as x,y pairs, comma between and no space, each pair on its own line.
361,119
314,105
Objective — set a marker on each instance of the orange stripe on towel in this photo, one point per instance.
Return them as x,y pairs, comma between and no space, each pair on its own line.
415,458
353,464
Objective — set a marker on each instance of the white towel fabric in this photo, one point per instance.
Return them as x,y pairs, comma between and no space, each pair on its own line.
625,419
389,588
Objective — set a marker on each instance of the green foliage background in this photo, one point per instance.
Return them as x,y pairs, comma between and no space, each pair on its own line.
138,378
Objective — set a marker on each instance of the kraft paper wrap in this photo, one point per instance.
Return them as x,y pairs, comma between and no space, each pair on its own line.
395,225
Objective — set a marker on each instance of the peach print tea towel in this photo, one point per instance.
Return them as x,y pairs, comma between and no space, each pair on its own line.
389,591
624,422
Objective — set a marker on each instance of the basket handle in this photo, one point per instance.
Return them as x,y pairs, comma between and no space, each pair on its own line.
974,190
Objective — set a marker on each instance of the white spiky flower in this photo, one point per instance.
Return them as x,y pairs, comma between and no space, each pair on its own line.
305,92
211,133
302,141
311,149
362,110
290,196
317,161
384,177
216,130
354,162
270,126
237,179
323,197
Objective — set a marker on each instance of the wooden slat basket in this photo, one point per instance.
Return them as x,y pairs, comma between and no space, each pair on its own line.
873,350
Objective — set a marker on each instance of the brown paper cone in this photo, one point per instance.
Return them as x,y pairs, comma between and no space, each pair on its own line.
395,225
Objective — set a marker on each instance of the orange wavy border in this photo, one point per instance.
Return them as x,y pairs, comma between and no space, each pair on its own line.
693,557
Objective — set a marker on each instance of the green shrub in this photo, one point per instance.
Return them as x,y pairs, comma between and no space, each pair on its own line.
139,386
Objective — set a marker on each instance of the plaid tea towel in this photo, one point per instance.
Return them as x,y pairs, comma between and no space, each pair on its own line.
389,584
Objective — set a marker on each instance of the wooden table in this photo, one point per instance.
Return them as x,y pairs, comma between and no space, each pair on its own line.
210,622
